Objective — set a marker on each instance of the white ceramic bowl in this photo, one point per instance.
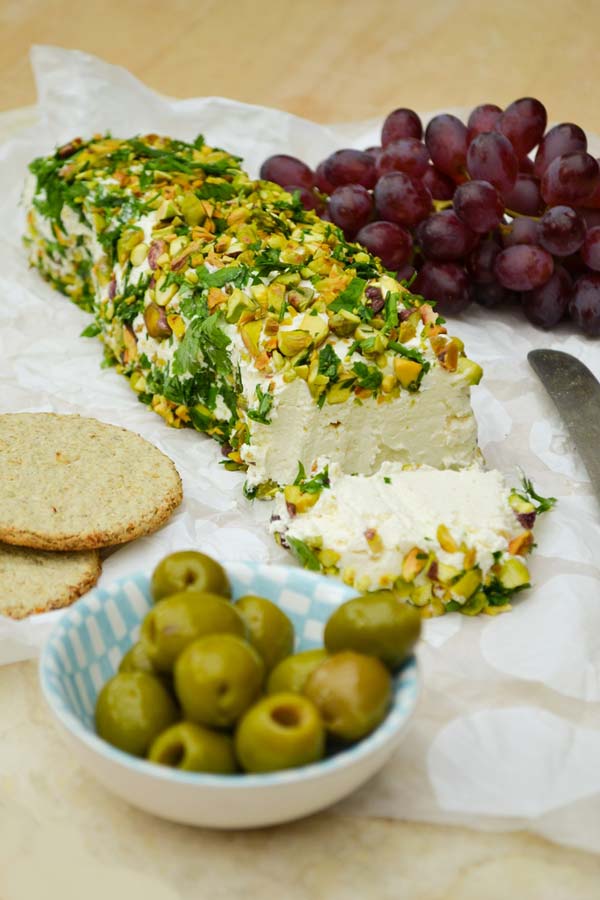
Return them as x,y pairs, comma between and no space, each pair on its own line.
86,646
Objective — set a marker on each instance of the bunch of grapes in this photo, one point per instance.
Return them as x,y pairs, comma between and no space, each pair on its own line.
470,212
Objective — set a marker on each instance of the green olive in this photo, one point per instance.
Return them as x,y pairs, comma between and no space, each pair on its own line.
291,673
217,678
132,709
137,660
270,630
352,693
188,570
178,620
193,748
280,732
376,624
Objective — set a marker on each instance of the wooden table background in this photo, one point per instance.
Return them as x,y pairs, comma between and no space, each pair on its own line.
62,835
328,60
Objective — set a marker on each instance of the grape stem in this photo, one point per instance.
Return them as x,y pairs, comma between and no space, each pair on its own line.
517,215
442,204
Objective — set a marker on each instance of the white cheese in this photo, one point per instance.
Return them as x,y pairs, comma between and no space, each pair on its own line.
434,426
405,508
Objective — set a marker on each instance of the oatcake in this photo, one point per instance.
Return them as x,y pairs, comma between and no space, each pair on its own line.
73,483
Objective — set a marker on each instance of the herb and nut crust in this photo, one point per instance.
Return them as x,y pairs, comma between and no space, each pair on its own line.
173,248
73,483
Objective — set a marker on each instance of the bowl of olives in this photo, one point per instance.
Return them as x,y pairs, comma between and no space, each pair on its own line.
232,696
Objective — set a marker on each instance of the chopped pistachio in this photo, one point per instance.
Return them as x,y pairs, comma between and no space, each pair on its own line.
126,242
163,292
406,370
138,254
192,209
293,341
251,332
471,370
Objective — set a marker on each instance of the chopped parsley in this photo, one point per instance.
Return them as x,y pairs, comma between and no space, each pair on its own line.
313,485
265,403
221,276
391,309
218,191
410,353
369,377
349,299
304,554
529,495
329,362
203,338
92,330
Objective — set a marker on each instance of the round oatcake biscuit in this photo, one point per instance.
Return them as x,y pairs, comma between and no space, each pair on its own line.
35,581
73,483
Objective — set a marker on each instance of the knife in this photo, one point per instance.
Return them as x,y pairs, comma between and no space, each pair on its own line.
576,394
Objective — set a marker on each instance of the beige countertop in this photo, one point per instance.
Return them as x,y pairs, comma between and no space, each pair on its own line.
61,835
328,60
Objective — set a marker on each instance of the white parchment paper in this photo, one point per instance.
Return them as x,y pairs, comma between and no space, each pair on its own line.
508,731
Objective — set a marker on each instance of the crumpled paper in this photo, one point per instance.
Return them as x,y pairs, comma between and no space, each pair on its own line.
507,734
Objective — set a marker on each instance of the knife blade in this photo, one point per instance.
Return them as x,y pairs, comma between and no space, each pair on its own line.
576,394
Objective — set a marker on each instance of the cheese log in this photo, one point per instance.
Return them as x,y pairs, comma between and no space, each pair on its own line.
233,310
441,540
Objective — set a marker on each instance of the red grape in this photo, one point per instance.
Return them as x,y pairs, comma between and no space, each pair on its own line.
491,158
584,307
564,138
590,252
546,306
401,199
483,118
523,123
406,155
523,267
308,198
321,182
350,207
521,231
593,201
443,236
526,166
574,265
446,139
390,242
493,294
480,262
439,185
350,167
445,283
570,178
401,123
479,205
591,217
284,169
525,196
562,231
375,152
518,230
405,272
